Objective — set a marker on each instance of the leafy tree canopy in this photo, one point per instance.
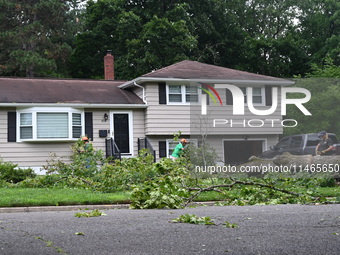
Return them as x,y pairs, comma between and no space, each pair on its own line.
70,37
35,37
324,85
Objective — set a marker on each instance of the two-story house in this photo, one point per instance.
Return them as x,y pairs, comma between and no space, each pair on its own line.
40,117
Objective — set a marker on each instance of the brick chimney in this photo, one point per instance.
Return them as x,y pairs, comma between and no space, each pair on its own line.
109,71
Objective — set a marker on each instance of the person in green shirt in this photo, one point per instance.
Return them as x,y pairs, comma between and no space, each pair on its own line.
87,150
179,149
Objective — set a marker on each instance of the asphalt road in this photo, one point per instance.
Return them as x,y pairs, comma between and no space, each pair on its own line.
276,229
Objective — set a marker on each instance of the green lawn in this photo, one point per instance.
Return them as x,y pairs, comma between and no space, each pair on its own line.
11,197
14,197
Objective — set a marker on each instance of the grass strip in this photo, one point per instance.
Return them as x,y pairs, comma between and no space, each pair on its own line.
16,197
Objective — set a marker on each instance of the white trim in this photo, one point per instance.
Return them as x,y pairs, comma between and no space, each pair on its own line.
239,82
131,134
183,95
168,141
177,142
263,96
35,110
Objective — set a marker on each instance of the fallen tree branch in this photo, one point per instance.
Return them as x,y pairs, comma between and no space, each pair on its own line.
83,180
235,182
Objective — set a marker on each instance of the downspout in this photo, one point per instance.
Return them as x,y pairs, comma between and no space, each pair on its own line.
143,89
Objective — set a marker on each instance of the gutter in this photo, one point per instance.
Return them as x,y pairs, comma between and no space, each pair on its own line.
112,106
281,82
139,86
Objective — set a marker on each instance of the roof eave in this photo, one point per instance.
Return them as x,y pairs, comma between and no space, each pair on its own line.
219,81
112,106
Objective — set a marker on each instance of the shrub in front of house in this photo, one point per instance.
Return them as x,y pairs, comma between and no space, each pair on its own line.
10,173
121,175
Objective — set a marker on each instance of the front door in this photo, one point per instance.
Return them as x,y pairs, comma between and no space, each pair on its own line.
121,131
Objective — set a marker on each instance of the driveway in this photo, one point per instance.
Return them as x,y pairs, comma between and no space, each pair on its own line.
276,229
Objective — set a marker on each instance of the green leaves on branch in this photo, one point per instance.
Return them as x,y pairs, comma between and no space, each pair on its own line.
94,213
122,175
166,190
194,219
205,220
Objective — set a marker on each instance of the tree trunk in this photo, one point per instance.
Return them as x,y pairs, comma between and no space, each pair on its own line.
288,163
306,160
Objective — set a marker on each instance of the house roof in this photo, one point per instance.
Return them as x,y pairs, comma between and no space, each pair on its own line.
196,71
65,91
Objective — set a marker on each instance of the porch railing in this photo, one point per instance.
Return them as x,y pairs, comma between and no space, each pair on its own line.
144,143
112,149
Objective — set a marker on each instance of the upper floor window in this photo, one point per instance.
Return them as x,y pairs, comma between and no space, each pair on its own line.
50,124
182,94
258,96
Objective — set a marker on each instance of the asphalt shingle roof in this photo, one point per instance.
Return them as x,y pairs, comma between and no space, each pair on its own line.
195,70
26,90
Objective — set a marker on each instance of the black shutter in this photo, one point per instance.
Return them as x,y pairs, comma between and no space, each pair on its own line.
269,96
11,127
89,125
205,93
162,93
229,97
162,149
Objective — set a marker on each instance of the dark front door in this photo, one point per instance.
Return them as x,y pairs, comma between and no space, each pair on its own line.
121,131
238,152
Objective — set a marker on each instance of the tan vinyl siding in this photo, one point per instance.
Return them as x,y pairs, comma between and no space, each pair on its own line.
138,128
35,154
227,123
99,124
162,119
138,91
3,128
216,141
154,140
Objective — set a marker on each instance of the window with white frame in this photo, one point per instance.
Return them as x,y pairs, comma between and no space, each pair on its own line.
50,124
182,94
258,96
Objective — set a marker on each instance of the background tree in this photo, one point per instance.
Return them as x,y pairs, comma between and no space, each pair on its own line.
273,37
325,92
35,37
271,45
140,35
319,28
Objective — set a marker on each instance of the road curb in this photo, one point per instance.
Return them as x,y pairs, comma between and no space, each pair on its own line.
62,208
80,207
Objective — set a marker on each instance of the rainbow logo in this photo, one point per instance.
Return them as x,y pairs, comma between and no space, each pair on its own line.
206,88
